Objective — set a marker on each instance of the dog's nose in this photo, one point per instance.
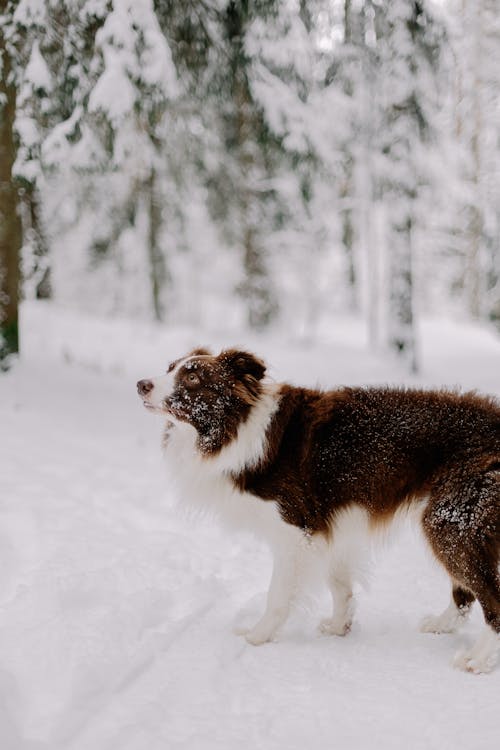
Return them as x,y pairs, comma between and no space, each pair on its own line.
144,387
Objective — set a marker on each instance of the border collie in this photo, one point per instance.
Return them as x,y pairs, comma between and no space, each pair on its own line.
318,472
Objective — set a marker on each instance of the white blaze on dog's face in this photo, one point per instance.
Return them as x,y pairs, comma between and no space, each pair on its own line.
214,394
159,393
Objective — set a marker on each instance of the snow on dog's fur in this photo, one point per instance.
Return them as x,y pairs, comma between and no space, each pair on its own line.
317,474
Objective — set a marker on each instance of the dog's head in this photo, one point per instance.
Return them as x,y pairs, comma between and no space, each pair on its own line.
213,394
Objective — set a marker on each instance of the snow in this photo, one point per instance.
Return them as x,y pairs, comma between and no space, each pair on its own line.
56,147
114,92
104,94
117,611
30,11
37,73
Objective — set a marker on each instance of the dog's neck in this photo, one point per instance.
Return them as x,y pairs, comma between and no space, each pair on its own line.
246,450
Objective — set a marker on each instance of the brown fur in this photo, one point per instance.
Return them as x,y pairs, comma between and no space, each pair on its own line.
380,448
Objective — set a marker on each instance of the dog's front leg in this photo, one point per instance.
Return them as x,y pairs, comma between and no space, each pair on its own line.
340,584
281,592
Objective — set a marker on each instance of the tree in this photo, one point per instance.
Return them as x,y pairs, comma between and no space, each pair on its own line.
136,59
286,78
53,46
408,47
249,149
477,52
10,224
35,110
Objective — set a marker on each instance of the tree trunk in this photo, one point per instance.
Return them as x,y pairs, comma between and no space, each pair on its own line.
157,271
476,222
10,223
353,53
348,238
401,324
256,288
399,37
37,276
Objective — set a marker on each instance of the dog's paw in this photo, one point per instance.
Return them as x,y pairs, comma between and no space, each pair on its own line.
483,656
468,661
438,624
256,636
331,626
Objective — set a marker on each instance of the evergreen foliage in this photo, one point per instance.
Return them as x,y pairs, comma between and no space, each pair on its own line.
296,158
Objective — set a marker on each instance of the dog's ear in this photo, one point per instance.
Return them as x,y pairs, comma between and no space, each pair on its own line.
243,364
200,351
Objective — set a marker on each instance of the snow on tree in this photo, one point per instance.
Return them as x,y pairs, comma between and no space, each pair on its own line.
286,159
137,62
408,47
476,41
284,82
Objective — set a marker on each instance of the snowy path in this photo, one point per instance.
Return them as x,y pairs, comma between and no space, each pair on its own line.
116,614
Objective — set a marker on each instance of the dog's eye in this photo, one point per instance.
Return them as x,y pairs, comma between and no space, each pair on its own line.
193,378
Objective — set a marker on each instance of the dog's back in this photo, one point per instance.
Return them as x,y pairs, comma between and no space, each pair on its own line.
377,447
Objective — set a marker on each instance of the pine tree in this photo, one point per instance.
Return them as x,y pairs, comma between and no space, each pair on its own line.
351,72
477,52
100,112
53,44
242,178
286,77
408,48
137,60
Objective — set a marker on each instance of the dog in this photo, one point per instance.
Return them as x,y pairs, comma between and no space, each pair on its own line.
318,473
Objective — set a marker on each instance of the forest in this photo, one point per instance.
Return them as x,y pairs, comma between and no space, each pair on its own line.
268,164
314,181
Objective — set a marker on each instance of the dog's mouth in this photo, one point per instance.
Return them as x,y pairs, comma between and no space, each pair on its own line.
164,409
152,408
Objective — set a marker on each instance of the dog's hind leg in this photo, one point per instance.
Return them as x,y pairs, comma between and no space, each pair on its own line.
453,616
483,655
281,592
462,523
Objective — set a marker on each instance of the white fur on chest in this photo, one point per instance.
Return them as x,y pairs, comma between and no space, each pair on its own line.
204,484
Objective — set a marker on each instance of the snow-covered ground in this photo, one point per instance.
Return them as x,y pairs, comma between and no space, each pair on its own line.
116,611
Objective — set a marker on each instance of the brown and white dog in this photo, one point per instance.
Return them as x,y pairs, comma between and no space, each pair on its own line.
317,473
